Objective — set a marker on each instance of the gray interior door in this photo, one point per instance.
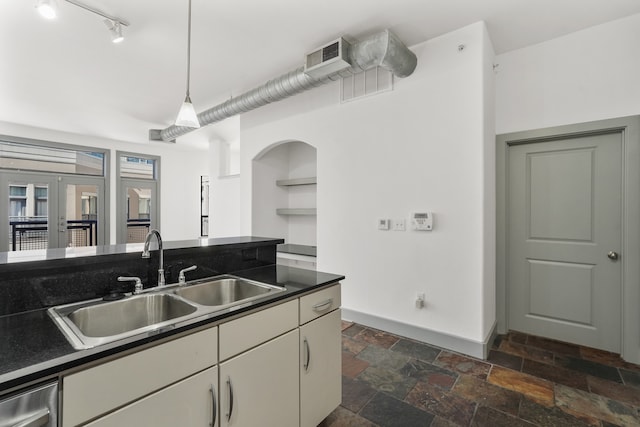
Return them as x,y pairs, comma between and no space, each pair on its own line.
564,239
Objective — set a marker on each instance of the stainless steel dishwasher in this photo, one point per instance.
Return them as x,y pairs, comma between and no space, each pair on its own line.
35,407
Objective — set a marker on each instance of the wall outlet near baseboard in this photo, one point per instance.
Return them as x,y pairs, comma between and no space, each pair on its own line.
420,302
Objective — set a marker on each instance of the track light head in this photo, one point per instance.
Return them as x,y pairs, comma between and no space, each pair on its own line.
48,9
115,28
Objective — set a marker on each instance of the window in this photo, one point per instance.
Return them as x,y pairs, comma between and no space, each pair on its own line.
89,206
56,159
137,167
204,205
138,189
41,201
53,195
17,201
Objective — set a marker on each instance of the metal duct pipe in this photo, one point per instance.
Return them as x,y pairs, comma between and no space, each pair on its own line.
383,49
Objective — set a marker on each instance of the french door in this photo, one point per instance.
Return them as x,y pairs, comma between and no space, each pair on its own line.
44,211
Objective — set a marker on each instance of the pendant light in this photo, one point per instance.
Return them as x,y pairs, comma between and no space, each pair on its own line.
187,115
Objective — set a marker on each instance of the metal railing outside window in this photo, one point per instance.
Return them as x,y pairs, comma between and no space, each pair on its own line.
137,230
26,233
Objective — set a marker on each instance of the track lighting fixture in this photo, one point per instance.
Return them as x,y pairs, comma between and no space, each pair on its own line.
187,115
48,9
115,28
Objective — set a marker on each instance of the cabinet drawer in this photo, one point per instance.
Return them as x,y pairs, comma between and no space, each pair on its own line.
187,403
100,389
319,303
252,330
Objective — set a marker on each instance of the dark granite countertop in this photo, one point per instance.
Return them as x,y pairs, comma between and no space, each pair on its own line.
32,347
8,258
290,248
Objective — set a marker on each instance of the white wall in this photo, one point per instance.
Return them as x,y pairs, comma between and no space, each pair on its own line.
421,146
302,164
180,170
588,75
489,186
265,196
224,194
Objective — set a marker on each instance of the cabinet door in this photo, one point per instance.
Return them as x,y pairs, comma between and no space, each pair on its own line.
191,402
320,368
260,387
124,380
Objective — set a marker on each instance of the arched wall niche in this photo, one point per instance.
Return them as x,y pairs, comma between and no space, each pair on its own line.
284,188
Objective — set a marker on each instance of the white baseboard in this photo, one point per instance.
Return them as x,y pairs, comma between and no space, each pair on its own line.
466,346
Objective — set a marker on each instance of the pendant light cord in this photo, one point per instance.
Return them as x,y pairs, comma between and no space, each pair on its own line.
189,51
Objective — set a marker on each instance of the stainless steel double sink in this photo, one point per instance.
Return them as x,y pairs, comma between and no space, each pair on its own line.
92,323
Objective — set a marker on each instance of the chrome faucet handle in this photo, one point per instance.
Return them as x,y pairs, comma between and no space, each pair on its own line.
181,278
138,286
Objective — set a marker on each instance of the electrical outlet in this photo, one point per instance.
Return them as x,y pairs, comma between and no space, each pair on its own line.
399,224
420,300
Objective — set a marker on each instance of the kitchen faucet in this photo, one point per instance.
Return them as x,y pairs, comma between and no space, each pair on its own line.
146,254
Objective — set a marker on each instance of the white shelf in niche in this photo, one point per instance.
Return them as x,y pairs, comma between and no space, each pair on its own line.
296,211
297,181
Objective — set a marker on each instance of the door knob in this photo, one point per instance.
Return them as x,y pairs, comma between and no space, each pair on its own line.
613,255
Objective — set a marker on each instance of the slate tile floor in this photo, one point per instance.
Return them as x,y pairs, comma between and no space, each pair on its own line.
527,381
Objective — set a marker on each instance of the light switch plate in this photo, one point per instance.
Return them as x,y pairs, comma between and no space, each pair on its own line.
398,225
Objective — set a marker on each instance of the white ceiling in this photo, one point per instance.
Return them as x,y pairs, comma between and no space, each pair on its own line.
67,75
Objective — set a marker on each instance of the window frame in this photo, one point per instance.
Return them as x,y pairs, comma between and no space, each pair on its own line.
54,175
123,182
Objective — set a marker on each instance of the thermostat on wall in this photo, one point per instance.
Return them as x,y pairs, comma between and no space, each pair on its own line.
422,221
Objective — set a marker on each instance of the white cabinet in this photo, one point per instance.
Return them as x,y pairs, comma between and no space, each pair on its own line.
251,330
260,387
320,355
320,370
191,402
279,366
95,391
319,303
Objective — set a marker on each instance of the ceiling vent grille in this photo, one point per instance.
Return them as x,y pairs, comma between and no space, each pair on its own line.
330,58
370,82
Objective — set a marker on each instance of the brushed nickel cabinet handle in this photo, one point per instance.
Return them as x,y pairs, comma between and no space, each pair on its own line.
230,399
308,355
214,408
321,306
